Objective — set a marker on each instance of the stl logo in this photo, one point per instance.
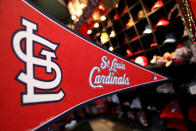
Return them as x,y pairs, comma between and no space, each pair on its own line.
28,76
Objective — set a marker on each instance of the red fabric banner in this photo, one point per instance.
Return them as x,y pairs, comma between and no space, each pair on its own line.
47,70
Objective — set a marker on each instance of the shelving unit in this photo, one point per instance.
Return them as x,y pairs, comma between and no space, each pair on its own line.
132,37
152,43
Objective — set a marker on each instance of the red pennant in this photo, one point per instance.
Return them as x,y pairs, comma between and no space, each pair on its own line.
47,70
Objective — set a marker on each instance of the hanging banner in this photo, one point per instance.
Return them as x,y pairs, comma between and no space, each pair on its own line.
47,70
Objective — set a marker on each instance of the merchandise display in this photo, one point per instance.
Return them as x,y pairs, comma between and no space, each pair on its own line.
180,55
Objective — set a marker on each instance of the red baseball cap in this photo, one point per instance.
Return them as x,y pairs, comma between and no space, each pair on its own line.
162,22
157,4
129,53
142,60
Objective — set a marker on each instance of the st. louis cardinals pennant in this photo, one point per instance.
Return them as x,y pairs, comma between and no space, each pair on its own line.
47,70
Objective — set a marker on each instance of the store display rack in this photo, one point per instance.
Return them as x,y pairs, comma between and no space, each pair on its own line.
129,21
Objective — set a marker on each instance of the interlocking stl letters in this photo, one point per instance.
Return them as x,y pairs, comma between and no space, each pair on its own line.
27,77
